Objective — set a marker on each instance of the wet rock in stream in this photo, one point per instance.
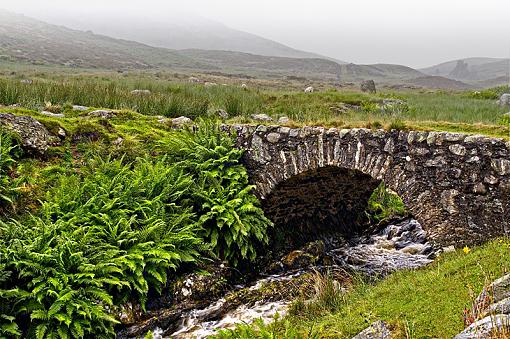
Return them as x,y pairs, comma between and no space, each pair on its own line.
402,245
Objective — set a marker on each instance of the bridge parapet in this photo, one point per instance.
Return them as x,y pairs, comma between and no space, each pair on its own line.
456,185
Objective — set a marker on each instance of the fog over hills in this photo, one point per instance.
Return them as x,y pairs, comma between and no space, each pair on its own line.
34,41
152,44
186,31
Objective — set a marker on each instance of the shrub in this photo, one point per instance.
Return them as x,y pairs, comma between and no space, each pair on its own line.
104,237
488,94
231,220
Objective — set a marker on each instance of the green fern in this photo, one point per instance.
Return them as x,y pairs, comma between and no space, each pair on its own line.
229,214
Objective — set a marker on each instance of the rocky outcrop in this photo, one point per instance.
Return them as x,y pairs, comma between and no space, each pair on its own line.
261,117
457,186
490,313
34,136
368,86
181,121
140,92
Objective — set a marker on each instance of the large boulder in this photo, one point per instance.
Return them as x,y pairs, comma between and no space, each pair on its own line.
181,122
504,99
34,136
368,86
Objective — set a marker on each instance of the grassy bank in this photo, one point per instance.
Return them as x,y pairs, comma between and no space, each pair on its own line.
423,110
424,303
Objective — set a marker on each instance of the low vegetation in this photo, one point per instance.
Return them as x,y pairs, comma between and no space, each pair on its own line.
422,110
424,303
110,230
124,205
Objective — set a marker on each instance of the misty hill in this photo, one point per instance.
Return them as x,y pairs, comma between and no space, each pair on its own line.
470,69
439,82
381,72
23,39
186,32
251,64
29,40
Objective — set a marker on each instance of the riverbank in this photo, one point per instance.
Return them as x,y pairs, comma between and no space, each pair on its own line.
427,302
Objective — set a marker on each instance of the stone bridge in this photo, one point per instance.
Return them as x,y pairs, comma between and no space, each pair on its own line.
457,186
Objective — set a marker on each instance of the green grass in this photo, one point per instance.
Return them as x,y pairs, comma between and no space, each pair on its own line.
424,110
429,301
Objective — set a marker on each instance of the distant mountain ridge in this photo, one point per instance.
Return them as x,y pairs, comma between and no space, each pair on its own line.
23,39
187,32
471,69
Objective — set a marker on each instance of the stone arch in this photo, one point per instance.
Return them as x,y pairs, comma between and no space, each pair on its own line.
457,186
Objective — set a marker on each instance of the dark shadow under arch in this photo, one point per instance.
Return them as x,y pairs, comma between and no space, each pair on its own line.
319,202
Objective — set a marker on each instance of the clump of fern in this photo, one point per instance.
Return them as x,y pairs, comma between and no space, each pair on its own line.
229,214
107,235
9,152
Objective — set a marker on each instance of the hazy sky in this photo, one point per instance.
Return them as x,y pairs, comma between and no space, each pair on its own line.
409,32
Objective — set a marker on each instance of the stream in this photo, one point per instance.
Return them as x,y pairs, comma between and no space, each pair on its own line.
401,245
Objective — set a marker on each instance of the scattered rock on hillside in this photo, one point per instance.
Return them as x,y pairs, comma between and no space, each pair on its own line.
194,79
51,114
283,120
309,89
261,117
368,86
485,327
222,114
504,99
140,92
26,81
378,330
34,135
498,290
210,84
61,133
79,108
492,308
181,121
101,113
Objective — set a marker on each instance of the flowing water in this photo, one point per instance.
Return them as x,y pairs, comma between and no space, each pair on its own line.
399,246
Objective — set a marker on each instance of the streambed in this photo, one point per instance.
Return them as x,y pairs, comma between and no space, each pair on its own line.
401,245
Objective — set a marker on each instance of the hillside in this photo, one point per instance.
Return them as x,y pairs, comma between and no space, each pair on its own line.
185,32
380,72
438,82
29,40
252,64
471,69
